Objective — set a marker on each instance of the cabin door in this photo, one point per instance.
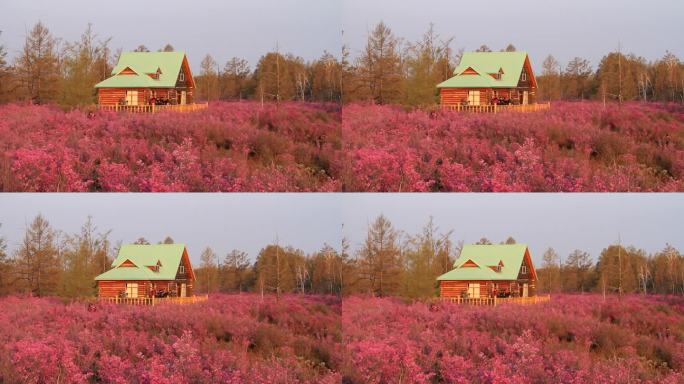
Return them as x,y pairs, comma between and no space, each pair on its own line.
131,97
184,97
473,97
184,290
525,290
526,98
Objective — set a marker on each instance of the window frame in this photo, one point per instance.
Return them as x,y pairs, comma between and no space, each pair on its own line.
181,76
523,77
181,269
132,94
471,96
130,290
523,269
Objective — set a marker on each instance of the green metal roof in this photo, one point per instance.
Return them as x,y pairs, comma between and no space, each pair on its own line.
169,255
143,63
485,63
511,256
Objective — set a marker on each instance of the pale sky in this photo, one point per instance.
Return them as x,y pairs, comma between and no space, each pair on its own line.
307,28
222,28
585,28
309,220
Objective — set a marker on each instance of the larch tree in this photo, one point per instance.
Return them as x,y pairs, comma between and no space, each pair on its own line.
577,270
84,63
83,257
207,81
234,78
37,66
424,258
5,266
325,78
550,79
426,62
380,258
550,271
380,66
235,271
209,269
576,78
37,259
509,48
6,79
275,267
483,241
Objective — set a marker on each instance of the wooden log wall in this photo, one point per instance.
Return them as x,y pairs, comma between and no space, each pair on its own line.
456,96
113,288
454,288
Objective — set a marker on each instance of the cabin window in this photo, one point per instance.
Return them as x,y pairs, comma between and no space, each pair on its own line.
523,269
474,290
132,290
524,76
181,77
131,97
473,97
181,269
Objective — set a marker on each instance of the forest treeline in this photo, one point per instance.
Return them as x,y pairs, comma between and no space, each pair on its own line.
387,69
388,262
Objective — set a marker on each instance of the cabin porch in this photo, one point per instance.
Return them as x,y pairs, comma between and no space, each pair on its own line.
153,108
494,301
153,300
495,108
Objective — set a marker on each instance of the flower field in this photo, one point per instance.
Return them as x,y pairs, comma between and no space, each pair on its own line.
309,339
230,147
314,147
229,339
571,339
572,147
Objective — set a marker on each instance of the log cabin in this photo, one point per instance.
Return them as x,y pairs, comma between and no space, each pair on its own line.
490,271
481,77
141,78
148,270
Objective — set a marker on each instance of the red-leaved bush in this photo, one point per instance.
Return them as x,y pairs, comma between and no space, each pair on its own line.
572,147
571,339
228,339
229,147
309,147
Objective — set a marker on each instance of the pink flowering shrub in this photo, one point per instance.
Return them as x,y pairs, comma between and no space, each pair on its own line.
229,147
312,147
572,147
571,339
228,339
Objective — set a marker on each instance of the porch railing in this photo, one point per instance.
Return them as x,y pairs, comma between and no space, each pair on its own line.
154,108
153,300
494,301
494,108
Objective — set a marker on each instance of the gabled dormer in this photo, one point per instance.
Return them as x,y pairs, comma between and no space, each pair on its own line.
127,71
155,75
127,263
497,75
155,267
469,264
497,267
470,71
